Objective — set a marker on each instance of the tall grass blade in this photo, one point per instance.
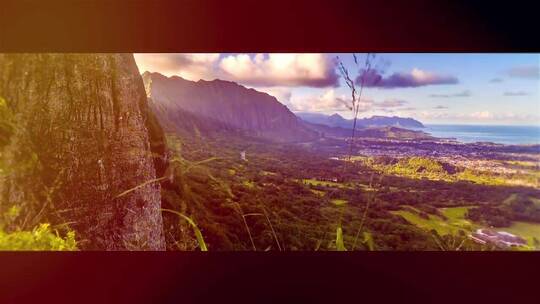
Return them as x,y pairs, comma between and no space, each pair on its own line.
141,185
196,229
272,228
368,241
340,246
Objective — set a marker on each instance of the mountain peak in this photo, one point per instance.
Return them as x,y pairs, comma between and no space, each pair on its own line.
156,75
229,103
152,74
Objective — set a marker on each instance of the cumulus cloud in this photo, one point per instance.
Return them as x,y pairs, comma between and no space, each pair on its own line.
465,93
189,66
260,70
314,70
329,100
412,79
529,71
515,93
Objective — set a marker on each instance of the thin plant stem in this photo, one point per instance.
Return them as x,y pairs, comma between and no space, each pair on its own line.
141,185
247,228
272,228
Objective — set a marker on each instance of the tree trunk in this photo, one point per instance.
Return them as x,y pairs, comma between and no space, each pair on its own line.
80,138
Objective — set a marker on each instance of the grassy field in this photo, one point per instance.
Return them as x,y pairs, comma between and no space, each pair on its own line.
456,220
526,230
432,168
339,202
318,192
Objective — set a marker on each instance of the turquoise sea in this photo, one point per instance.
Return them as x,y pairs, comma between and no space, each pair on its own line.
487,133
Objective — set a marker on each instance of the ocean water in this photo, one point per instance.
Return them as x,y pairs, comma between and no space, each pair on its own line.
511,135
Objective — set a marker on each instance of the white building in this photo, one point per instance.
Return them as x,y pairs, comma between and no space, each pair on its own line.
500,238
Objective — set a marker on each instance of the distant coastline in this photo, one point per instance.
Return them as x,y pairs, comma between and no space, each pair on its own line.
499,134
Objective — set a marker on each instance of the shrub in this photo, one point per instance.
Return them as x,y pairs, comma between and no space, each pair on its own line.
40,238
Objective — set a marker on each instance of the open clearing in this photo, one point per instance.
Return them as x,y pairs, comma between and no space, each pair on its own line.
526,230
456,220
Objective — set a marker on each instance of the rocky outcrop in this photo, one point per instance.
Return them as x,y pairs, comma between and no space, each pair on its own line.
226,102
81,137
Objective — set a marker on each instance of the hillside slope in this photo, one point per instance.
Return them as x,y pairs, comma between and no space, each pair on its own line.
229,103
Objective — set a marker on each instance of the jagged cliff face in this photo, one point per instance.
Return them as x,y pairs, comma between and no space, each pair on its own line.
226,102
80,138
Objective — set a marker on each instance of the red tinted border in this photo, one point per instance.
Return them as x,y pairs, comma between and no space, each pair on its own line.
269,26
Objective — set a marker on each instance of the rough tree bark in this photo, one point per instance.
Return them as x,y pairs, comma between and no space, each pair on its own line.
81,138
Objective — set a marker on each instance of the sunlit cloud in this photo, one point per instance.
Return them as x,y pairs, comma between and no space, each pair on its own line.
260,70
311,70
189,66
329,100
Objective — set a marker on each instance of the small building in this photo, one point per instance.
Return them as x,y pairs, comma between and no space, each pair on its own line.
498,238
243,155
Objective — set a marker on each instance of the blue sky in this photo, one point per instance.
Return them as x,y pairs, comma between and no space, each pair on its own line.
433,88
486,101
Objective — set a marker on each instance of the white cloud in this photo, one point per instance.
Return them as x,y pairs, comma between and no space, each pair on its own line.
481,115
315,70
329,100
260,70
188,66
